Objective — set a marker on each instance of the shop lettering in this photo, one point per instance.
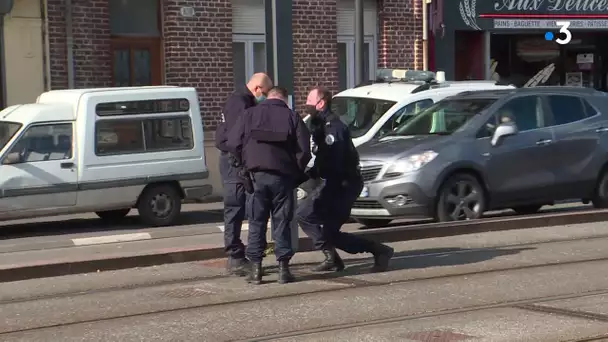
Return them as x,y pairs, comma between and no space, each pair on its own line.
552,5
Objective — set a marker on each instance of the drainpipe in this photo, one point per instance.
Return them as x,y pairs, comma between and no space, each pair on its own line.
69,42
425,36
2,64
47,43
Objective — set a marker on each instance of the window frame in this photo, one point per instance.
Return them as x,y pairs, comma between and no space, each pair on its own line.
39,124
249,40
547,114
349,40
142,121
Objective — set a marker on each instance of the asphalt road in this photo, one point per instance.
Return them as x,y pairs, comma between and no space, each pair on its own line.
541,284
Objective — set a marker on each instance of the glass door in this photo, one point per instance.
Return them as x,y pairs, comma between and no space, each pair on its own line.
136,62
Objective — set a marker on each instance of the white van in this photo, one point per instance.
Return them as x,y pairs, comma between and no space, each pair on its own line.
103,150
375,109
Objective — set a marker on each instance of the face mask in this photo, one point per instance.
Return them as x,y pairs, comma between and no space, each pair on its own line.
260,98
311,110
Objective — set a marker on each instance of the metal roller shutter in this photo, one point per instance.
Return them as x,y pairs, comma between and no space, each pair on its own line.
248,17
346,18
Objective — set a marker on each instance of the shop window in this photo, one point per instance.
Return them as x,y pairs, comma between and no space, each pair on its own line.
566,109
248,57
135,39
346,60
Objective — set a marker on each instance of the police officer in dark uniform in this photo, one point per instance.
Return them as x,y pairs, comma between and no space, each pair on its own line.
234,191
273,143
322,214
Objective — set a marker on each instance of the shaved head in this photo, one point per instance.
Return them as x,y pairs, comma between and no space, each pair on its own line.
259,84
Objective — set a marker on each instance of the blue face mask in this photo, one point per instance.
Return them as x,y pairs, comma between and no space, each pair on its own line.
260,98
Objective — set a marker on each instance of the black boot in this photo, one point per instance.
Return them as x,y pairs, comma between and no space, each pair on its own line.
382,256
237,266
332,262
255,273
285,275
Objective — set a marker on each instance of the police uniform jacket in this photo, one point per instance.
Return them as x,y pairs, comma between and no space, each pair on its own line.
235,106
271,137
336,158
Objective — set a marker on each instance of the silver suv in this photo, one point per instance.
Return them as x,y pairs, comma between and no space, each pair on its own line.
487,150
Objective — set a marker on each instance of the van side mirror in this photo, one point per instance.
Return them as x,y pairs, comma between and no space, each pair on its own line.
502,131
12,158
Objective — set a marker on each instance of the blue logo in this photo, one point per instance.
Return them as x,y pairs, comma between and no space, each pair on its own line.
549,36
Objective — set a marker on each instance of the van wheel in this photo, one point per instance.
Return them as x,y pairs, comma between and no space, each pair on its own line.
159,205
461,197
600,197
373,223
113,215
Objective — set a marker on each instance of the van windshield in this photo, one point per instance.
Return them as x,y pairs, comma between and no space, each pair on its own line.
443,118
7,130
360,113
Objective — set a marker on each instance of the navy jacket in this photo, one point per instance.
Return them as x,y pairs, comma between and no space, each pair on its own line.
336,157
271,137
235,106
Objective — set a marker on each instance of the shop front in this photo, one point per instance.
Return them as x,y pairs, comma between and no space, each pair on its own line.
506,40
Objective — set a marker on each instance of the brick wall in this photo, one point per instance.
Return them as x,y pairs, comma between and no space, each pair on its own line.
198,52
400,34
91,44
315,47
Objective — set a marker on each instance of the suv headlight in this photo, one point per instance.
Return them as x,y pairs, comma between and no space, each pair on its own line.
410,164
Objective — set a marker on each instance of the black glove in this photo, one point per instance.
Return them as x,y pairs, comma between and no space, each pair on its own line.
244,176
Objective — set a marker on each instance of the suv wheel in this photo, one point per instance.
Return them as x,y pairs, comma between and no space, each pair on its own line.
160,205
600,197
527,209
461,198
373,223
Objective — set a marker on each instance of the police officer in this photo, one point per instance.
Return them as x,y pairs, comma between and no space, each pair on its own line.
274,145
322,214
234,191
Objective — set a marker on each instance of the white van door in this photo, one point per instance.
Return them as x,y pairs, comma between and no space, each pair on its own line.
39,171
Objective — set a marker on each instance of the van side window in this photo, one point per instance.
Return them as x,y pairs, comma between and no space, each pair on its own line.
44,143
145,135
403,115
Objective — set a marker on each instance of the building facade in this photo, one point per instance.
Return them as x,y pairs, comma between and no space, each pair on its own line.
516,40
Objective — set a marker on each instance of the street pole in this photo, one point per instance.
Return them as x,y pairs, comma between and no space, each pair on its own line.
359,63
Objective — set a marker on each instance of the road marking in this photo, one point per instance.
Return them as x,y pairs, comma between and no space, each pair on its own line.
245,226
96,240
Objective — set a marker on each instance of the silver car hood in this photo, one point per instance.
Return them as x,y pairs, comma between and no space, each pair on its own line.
395,147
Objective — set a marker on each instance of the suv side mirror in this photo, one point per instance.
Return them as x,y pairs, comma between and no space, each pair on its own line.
502,131
12,158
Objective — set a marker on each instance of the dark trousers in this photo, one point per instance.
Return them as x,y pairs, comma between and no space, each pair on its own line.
322,214
235,200
273,195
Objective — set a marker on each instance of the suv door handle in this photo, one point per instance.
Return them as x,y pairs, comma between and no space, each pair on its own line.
601,130
67,165
544,142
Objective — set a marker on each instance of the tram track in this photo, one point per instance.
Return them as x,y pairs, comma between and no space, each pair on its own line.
349,282
196,279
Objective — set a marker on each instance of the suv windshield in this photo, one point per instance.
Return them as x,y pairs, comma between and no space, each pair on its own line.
360,113
7,130
445,117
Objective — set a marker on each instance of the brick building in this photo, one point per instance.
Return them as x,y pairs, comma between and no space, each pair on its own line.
215,45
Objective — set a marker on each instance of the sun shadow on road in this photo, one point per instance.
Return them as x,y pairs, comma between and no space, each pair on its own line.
419,259
19,229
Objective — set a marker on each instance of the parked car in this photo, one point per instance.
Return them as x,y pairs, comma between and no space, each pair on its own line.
487,150
377,108
104,151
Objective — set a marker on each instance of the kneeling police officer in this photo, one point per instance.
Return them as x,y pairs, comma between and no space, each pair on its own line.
322,214
273,144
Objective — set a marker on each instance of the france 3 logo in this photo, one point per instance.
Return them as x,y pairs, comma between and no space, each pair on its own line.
563,31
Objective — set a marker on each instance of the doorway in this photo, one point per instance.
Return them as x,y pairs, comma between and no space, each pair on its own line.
135,28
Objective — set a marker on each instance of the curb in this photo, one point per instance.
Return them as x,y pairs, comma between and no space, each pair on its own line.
55,268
